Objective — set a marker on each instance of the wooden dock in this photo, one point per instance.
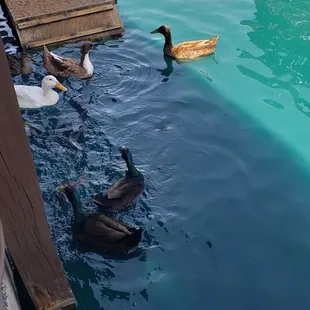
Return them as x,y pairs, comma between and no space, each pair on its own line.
26,231
43,22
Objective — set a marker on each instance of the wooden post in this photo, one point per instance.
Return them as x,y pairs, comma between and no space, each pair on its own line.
21,207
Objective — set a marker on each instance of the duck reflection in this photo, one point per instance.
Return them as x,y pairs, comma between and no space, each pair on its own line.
168,70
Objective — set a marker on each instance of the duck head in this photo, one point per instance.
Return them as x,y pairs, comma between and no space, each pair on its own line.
67,189
73,197
49,82
86,47
126,155
163,29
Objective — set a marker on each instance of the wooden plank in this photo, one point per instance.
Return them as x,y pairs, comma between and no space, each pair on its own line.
111,34
62,16
71,10
68,37
24,9
25,226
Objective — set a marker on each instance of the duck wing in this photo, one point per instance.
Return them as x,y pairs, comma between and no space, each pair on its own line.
195,48
61,66
120,194
119,189
104,228
29,96
15,63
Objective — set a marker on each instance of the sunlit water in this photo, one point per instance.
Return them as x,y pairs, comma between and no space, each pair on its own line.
215,169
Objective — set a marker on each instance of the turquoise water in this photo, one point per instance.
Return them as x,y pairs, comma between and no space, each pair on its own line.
221,161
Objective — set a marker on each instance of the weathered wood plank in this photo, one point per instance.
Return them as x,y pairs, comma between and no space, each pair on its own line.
32,8
61,16
79,34
50,22
25,226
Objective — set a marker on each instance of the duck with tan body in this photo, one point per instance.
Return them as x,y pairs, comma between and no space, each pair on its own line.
186,50
62,66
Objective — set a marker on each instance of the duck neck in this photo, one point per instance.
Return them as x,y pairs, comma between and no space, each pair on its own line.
77,205
86,63
26,68
168,39
132,170
51,96
47,90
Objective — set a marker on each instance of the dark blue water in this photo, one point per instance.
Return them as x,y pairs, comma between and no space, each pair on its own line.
211,174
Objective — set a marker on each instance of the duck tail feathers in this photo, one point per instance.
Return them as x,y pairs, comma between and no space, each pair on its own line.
134,238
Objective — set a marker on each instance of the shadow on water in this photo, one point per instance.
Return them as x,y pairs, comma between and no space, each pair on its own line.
281,30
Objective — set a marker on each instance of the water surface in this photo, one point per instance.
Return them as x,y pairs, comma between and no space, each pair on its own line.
214,174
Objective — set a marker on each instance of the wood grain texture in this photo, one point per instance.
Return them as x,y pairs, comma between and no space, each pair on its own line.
49,22
25,226
61,16
32,8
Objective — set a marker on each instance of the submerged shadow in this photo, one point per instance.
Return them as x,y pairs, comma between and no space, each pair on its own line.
169,68
139,252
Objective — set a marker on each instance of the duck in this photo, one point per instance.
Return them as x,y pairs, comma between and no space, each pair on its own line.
123,192
62,66
33,97
19,64
186,50
98,232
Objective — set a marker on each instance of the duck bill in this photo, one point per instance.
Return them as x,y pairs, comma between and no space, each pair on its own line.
61,188
61,87
154,31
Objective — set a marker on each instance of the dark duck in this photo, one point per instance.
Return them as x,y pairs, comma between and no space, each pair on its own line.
19,64
122,193
98,232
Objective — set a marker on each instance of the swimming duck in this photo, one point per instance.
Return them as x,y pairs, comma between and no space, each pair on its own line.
19,64
122,193
97,231
186,50
35,97
62,66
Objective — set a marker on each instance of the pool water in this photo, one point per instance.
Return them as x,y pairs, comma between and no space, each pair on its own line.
221,142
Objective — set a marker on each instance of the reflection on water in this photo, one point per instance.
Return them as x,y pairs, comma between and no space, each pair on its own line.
281,30
169,69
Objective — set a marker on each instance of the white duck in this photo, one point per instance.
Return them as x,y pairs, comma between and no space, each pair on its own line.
33,97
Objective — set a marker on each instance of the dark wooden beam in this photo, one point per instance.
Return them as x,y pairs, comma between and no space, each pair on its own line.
21,207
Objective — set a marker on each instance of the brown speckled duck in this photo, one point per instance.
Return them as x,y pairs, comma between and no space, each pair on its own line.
19,64
186,50
98,232
62,66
